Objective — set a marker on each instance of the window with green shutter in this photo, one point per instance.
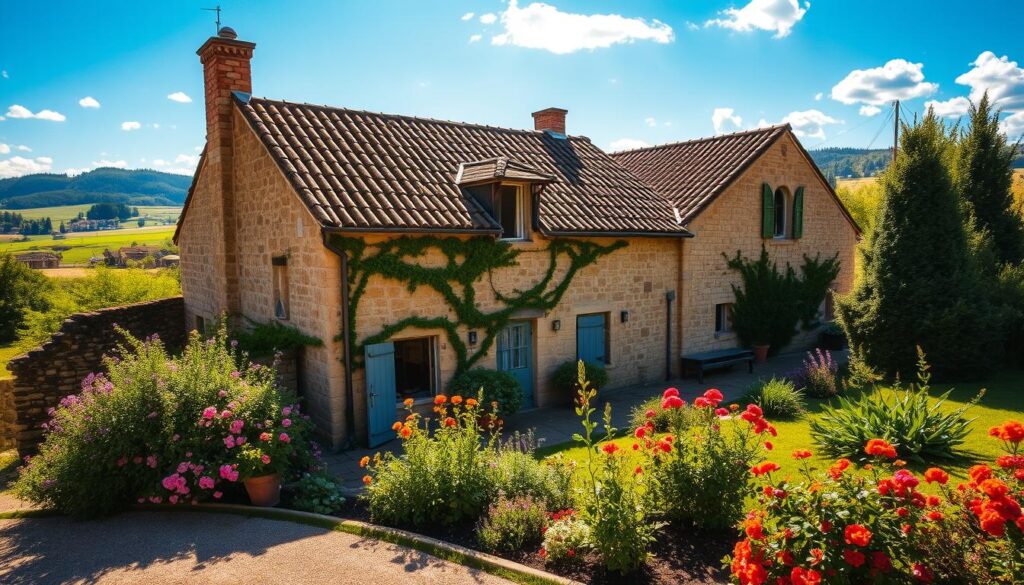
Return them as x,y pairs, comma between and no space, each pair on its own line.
767,211
798,213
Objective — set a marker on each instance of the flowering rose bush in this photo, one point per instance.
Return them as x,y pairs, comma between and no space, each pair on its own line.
566,538
166,430
836,527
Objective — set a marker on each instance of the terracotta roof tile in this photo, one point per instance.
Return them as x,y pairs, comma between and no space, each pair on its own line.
357,169
692,173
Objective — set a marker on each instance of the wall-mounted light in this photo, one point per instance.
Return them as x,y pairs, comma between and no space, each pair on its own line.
472,337
556,324
624,316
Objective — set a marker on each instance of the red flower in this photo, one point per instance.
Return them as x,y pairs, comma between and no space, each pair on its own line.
610,448
935,474
768,445
880,561
857,535
650,414
922,574
838,468
714,396
764,467
935,516
801,454
450,422
804,576
640,432
638,470
1011,431
880,448
854,558
672,402
670,392
752,526
701,402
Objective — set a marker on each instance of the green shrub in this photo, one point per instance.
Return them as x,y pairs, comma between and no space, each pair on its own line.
497,386
520,474
21,289
318,493
444,475
564,378
512,524
777,398
266,338
920,430
567,538
662,419
158,429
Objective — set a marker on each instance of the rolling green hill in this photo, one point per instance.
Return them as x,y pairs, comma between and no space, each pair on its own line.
135,187
859,162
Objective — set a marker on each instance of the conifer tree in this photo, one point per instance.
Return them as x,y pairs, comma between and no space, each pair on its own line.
918,285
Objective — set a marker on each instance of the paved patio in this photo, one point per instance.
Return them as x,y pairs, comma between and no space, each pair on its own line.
557,425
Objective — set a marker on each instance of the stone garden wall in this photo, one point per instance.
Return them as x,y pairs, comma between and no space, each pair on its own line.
8,418
55,369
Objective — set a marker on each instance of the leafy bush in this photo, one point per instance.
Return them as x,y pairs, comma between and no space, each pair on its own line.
701,473
920,429
266,338
497,386
564,378
820,374
512,524
21,289
158,428
445,472
566,539
662,419
519,474
778,398
318,493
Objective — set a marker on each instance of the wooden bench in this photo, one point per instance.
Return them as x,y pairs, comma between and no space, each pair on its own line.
710,360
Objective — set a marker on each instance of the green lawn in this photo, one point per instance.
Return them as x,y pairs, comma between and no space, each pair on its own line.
85,245
6,353
69,212
1004,400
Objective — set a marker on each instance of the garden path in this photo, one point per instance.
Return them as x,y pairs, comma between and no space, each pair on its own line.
556,425
182,547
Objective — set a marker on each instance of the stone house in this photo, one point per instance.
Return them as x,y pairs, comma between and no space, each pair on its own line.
39,259
417,248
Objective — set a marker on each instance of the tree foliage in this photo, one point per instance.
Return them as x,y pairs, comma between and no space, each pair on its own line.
21,289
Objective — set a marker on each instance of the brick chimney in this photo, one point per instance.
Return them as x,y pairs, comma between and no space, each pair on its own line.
226,69
552,119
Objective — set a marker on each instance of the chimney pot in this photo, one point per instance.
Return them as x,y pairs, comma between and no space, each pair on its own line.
226,32
550,119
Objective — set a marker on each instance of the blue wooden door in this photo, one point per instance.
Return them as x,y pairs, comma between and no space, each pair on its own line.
381,396
592,338
515,356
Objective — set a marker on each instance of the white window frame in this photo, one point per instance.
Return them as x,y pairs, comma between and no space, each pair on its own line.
520,211
726,319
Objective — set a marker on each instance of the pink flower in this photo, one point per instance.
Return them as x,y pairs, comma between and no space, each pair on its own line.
217,495
722,412
240,441
236,425
229,473
284,438
286,423
229,441
286,411
122,461
226,414
222,393
173,499
264,436
209,412
151,461
265,459
183,467
206,482
235,374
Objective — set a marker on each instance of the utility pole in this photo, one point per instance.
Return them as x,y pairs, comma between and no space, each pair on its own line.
896,130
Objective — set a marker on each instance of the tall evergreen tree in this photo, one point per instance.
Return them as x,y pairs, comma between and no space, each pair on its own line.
918,285
983,174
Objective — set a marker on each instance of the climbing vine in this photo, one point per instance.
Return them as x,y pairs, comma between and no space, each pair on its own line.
466,262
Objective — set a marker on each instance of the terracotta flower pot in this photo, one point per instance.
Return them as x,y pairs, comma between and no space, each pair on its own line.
760,353
264,490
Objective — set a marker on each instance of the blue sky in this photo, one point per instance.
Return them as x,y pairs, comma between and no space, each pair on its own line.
630,73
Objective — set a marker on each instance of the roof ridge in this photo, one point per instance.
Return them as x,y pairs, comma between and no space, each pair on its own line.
408,117
765,130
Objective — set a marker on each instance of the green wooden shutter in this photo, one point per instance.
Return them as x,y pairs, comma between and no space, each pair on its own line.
767,211
798,213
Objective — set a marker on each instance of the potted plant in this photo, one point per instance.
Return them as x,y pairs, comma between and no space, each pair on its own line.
260,467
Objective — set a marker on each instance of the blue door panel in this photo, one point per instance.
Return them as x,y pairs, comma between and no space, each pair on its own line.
515,356
591,337
381,395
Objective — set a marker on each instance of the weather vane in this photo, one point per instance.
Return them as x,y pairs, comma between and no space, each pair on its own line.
217,10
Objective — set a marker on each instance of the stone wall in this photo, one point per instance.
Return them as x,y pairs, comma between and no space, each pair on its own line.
55,369
8,417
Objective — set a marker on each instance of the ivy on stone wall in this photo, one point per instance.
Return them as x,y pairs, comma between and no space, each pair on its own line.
466,262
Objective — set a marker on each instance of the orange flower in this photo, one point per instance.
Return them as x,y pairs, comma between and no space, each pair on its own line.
838,468
936,475
857,535
801,454
367,479
396,426
752,526
408,401
440,399
364,461
405,433
764,467
979,473
880,448
450,422
456,400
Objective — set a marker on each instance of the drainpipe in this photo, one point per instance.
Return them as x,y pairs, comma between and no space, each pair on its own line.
346,348
670,297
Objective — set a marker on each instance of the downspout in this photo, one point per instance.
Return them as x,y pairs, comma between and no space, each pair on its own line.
346,346
670,297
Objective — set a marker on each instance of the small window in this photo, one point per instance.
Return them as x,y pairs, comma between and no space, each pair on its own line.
200,325
509,212
280,274
723,317
780,213
415,371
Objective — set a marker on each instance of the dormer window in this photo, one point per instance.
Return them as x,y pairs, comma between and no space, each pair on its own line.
510,212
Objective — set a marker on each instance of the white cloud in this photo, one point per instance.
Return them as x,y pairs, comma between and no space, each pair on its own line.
4,74
1002,78
542,26
626,144
180,97
475,38
489,18
467,16
88,102
155,126
869,111
4,149
129,126
183,164
809,123
158,162
117,164
189,159
21,112
818,96
725,120
24,148
1013,126
898,79
951,108
778,16
650,122
17,166
692,25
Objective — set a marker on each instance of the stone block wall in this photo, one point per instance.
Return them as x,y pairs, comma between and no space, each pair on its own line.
8,417
55,369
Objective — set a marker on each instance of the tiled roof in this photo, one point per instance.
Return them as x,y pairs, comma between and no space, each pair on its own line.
368,171
499,168
692,173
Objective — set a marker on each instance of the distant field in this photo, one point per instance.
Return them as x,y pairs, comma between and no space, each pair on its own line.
85,245
69,212
854,183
